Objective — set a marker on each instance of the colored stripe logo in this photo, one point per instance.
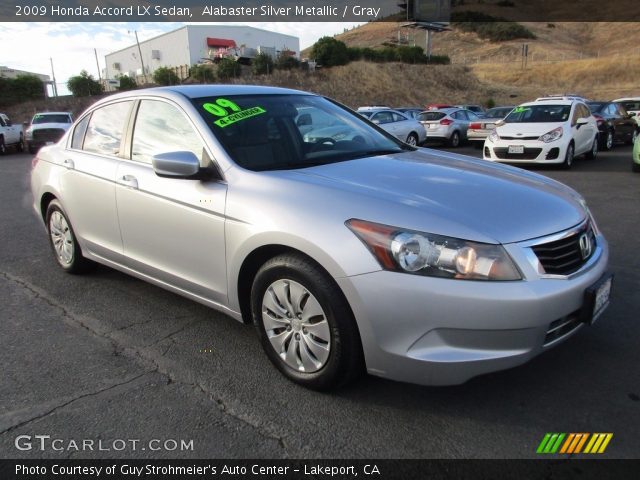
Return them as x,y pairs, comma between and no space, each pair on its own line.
574,443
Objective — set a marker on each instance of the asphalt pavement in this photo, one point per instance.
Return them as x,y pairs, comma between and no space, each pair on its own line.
112,360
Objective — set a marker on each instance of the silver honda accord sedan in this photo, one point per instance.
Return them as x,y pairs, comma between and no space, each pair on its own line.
347,253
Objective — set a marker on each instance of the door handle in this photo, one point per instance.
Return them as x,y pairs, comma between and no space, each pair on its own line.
68,163
128,181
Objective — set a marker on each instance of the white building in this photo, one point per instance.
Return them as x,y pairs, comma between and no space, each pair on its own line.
193,44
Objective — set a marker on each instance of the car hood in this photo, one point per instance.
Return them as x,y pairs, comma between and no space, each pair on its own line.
526,129
465,196
40,126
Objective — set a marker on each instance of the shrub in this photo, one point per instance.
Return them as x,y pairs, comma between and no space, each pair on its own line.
491,103
126,83
262,64
165,76
287,62
227,69
440,60
506,3
203,73
84,85
330,52
495,29
23,87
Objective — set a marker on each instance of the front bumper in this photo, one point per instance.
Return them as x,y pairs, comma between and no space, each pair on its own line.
435,331
534,151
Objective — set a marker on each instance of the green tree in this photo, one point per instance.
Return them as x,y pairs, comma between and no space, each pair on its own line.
330,52
262,64
165,76
126,83
203,73
84,85
228,68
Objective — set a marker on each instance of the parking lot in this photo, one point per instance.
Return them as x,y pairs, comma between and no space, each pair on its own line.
105,356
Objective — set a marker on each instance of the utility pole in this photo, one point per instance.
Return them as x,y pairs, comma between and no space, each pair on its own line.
98,65
53,74
140,52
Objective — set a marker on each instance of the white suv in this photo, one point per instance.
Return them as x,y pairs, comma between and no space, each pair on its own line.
549,130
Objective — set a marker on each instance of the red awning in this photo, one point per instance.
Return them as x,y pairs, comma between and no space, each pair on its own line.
220,42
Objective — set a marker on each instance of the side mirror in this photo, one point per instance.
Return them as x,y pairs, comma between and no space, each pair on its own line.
632,114
176,164
377,122
500,123
582,121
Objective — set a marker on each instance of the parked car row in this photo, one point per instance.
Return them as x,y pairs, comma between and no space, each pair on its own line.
46,128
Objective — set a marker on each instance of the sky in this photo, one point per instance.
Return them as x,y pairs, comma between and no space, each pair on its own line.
71,45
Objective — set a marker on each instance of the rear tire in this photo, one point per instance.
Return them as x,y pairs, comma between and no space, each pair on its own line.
635,167
412,139
607,142
454,141
634,135
20,145
305,324
63,241
3,146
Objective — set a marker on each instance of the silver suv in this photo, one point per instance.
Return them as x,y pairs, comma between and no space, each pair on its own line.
448,125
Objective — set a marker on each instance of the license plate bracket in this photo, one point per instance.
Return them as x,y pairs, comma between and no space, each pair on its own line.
516,149
596,299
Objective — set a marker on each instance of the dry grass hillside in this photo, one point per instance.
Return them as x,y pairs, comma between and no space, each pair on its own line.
365,83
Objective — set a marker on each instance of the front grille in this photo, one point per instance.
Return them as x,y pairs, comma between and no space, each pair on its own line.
47,134
529,153
565,256
562,327
518,138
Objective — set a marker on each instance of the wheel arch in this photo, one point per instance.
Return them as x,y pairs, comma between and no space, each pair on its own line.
252,263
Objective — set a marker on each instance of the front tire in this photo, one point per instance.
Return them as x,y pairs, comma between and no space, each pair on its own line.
593,153
3,146
305,324
634,135
20,145
63,241
568,158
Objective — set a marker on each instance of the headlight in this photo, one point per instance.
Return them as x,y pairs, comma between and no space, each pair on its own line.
551,136
29,133
418,253
494,137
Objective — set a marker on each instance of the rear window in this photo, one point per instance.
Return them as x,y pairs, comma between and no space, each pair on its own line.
596,106
431,116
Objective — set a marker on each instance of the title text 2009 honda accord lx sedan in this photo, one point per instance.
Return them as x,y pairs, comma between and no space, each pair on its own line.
347,252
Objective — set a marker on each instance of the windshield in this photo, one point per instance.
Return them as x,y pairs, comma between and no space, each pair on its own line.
539,114
498,112
631,105
275,132
50,118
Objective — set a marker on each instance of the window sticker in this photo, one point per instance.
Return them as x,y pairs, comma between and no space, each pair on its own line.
520,109
229,112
